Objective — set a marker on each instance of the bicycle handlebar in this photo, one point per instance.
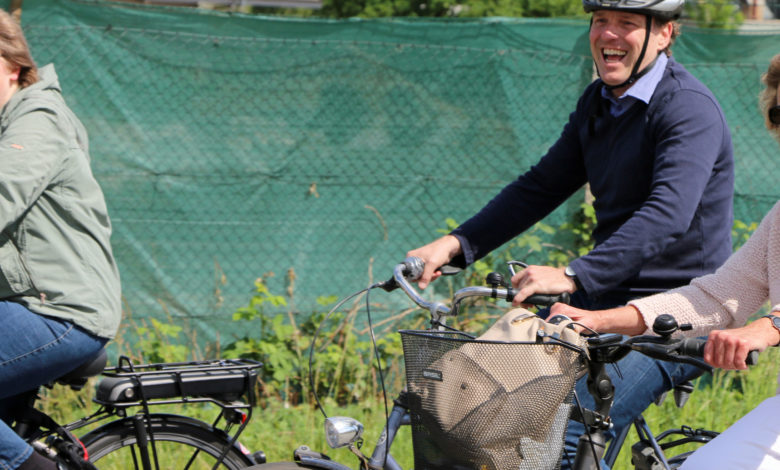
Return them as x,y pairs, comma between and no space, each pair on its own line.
412,268
610,348
695,347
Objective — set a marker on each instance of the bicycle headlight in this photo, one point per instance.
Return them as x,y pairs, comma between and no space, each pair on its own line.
341,431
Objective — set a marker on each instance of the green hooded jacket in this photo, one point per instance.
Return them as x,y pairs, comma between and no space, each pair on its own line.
55,254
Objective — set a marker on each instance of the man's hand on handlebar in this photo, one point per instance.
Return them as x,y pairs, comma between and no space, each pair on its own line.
435,254
540,280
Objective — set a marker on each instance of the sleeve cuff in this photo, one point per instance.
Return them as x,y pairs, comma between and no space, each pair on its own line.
466,257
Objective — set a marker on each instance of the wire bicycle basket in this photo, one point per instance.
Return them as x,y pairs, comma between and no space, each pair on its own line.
488,405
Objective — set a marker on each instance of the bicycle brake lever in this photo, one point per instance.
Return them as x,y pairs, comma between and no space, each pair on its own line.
696,362
512,264
449,270
670,352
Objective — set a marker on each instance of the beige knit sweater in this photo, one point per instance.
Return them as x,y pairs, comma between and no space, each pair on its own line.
726,299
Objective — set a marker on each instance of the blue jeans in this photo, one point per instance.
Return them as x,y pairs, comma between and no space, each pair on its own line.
34,350
643,380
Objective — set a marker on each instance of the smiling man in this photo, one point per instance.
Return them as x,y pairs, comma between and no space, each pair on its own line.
652,142
620,40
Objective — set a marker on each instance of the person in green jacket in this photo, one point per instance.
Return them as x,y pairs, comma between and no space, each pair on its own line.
59,283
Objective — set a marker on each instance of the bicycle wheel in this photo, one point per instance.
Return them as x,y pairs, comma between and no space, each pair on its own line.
180,442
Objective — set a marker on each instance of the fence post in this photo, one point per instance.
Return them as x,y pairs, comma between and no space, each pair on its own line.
754,10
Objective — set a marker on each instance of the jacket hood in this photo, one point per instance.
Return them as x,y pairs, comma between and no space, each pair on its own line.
47,82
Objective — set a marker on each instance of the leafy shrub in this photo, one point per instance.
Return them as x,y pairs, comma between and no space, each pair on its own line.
158,342
344,368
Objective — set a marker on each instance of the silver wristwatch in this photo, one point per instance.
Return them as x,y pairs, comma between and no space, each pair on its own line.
573,276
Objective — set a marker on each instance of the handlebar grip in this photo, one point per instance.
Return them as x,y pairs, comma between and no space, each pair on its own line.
695,347
413,268
540,300
546,300
752,358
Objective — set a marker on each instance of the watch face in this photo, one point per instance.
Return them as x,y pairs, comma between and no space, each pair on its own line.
569,272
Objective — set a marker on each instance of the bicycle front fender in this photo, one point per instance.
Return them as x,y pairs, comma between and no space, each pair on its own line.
321,464
311,459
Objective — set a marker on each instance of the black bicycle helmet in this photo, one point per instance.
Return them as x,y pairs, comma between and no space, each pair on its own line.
664,10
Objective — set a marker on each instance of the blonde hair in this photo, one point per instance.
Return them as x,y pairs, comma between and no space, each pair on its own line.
768,96
14,49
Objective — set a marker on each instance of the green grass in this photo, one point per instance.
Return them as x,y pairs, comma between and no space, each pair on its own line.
278,431
275,429
718,401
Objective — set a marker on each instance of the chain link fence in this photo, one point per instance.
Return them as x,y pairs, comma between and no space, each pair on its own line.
230,147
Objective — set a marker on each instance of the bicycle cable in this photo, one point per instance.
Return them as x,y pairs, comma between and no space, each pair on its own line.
378,367
317,334
590,441
367,291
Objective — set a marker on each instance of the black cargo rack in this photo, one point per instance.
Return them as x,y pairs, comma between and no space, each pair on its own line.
222,381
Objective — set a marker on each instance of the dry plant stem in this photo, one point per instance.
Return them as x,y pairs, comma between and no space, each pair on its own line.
394,318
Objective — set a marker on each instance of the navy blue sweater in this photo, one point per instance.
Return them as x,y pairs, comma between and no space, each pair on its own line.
663,178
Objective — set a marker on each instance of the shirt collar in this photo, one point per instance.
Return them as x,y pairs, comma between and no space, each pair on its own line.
642,90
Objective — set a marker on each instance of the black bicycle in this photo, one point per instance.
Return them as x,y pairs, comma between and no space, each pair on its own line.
132,436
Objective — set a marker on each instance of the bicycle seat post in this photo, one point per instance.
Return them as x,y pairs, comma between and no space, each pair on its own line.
27,418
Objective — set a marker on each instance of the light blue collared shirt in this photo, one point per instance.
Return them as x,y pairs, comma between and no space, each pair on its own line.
642,90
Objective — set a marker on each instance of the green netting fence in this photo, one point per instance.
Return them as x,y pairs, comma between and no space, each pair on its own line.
230,146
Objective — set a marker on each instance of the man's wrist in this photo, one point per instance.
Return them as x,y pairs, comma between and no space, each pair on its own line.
774,323
569,272
453,245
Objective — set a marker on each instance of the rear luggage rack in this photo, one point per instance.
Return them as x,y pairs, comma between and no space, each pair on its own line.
223,381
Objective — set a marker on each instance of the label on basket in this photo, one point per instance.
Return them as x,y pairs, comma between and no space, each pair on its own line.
432,374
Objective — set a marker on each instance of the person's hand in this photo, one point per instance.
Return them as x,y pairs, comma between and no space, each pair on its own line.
622,320
586,318
728,349
435,255
541,280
